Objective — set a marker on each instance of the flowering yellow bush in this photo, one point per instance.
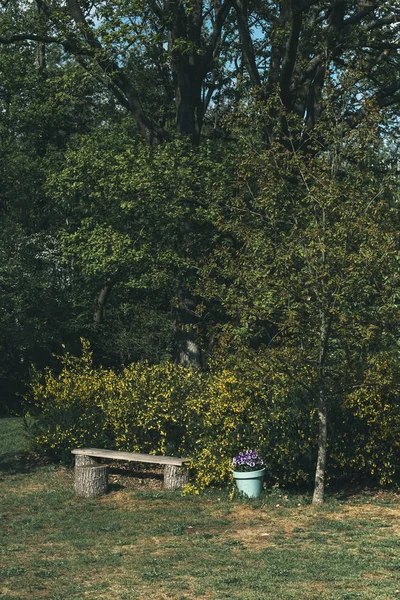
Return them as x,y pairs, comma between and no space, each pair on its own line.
145,410
67,407
210,417
375,405
166,409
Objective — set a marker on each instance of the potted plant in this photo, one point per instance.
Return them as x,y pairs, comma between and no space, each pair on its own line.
248,472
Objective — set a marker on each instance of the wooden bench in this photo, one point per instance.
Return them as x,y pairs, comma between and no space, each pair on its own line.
176,474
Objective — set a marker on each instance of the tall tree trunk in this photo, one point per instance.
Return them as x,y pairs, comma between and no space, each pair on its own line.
40,45
187,350
188,74
319,486
249,58
101,303
189,108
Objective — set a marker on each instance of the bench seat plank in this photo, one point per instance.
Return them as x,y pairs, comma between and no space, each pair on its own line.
131,456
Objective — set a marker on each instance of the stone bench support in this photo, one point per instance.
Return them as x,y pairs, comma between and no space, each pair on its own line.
91,480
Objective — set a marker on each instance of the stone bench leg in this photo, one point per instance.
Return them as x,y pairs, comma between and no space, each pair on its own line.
175,477
91,480
81,460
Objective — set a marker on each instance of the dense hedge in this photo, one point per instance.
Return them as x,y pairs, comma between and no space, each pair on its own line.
210,416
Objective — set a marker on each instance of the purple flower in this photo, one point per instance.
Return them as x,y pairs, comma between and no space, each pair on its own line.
247,460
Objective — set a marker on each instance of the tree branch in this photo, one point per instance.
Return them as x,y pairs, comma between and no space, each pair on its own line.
220,17
30,37
118,81
302,5
76,12
247,43
289,59
388,100
388,20
157,10
356,18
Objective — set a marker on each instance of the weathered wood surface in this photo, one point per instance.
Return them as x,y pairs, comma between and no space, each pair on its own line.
175,477
130,456
91,480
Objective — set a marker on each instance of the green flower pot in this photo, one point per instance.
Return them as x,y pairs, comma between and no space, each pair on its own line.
249,482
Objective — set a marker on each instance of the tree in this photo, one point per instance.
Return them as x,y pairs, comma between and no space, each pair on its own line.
135,224
178,67
308,268
42,305
195,49
141,200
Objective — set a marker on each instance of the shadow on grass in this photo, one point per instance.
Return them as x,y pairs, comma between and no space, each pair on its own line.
15,458
23,462
363,490
131,477
137,473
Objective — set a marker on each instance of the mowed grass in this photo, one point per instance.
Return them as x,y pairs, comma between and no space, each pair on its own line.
139,542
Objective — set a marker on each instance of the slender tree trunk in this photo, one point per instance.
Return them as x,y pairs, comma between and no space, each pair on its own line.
319,487
246,41
41,56
101,303
187,350
40,46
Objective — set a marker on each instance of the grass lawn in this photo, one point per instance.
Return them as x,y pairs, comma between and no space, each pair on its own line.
139,542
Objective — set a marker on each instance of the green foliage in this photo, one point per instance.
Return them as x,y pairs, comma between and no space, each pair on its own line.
164,408
279,240
68,409
41,300
209,417
306,268
375,406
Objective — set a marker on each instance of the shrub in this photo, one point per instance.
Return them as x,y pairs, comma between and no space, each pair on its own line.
210,417
67,407
376,410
